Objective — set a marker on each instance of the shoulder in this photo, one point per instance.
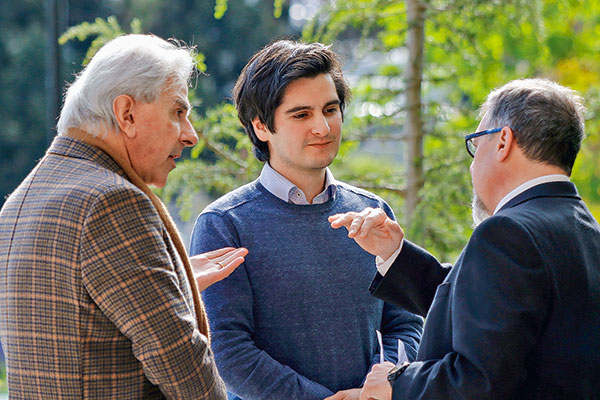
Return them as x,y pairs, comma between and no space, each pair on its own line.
500,226
86,184
358,193
101,191
241,198
356,196
502,239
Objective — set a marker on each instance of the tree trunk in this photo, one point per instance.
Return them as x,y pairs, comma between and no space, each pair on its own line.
415,15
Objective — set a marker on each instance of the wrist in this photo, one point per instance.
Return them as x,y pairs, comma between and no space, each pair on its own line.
396,372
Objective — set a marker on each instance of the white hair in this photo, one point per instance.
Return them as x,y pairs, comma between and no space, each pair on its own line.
141,66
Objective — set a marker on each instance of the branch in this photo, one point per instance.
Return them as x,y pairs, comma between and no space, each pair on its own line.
221,153
390,188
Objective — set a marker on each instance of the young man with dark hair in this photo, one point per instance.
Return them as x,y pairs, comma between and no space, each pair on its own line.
295,321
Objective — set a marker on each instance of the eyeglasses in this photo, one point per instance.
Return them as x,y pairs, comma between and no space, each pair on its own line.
471,146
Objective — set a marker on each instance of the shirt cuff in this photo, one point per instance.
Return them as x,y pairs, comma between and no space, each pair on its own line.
384,265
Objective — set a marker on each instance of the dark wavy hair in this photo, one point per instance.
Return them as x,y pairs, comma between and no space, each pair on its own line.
260,87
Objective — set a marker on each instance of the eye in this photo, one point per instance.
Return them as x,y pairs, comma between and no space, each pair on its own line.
332,109
300,115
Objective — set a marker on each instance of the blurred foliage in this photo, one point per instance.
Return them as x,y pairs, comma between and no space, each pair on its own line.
104,30
221,161
223,47
3,384
22,137
471,47
222,5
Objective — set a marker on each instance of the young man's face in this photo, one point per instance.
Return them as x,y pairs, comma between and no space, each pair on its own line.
308,126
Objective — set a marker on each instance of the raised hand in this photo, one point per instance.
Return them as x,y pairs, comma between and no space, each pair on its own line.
216,265
372,229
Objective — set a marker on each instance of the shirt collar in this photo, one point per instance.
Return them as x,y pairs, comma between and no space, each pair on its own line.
282,188
528,185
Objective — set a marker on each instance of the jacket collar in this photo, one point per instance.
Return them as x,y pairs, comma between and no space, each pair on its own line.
74,148
551,189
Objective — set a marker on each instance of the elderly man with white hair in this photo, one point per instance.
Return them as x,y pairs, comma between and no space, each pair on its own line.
98,298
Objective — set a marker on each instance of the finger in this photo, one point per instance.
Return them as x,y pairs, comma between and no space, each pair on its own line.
226,258
356,225
375,218
384,366
364,394
228,268
339,220
217,252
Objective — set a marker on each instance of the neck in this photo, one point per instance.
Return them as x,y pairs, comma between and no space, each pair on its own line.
528,171
311,182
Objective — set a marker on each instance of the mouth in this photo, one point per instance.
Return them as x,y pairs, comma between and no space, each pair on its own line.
320,144
172,158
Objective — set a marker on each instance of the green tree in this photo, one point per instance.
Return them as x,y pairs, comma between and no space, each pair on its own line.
436,62
457,52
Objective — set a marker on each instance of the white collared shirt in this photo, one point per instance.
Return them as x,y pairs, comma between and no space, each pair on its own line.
282,188
528,185
384,265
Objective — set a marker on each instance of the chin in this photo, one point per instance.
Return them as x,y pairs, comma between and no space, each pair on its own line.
159,183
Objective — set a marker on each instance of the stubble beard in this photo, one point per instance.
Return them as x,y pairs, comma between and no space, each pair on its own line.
478,211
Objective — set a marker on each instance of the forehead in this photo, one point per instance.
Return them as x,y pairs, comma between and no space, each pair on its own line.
310,89
174,94
484,123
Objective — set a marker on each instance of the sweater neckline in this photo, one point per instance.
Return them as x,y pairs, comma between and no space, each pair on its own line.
297,208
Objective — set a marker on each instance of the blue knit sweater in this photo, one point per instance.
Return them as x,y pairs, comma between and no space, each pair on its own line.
295,321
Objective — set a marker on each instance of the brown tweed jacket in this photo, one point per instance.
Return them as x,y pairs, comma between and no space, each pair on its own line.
94,301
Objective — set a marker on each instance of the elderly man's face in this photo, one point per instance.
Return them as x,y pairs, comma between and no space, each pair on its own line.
162,131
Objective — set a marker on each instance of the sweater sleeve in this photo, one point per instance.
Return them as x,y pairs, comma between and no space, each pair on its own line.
398,324
248,371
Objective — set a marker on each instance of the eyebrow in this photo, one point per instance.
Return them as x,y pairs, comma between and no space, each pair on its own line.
183,104
302,108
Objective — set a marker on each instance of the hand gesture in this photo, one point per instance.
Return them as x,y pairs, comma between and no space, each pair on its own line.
216,265
372,229
350,394
377,386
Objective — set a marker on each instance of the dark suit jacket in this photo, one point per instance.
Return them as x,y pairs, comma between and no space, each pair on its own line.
94,299
518,316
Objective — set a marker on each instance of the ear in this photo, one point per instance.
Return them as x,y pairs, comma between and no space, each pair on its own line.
261,130
505,144
123,109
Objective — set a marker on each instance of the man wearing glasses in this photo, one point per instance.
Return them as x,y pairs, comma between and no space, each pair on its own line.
518,315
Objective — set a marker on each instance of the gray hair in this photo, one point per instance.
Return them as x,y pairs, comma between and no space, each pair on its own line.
141,66
546,118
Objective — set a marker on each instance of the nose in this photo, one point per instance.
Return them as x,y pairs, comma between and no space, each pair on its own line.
320,126
188,134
